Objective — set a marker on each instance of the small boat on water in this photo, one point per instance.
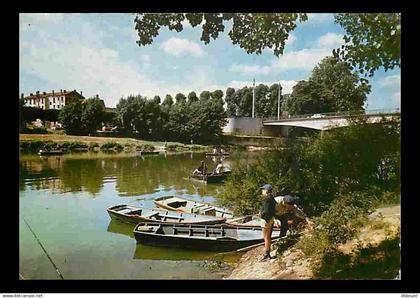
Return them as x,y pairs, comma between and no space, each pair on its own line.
134,215
183,205
210,177
203,237
50,152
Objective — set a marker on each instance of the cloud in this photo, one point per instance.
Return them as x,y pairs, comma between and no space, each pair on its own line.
82,62
180,46
291,39
391,81
305,59
330,40
250,69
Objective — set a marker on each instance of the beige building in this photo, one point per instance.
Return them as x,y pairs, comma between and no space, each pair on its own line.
53,100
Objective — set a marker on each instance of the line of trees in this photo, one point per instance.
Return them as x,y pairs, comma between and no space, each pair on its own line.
188,118
239,102
332,86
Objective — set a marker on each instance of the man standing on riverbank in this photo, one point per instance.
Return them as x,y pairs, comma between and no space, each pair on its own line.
279,207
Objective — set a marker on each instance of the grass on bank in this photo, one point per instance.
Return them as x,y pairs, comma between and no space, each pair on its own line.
34,142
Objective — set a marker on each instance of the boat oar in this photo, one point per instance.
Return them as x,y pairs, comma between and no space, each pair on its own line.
39,242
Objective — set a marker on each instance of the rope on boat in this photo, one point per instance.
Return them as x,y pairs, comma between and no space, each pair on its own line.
39,242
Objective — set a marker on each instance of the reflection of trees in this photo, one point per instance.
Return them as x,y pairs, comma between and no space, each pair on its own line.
142,176
134,175
33,169
78,175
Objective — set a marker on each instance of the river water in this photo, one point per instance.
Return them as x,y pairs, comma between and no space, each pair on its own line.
64,200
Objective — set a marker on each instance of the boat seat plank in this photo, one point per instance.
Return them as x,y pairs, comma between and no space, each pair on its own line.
152,214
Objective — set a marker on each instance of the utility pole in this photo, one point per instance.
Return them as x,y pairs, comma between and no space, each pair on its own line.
278,103
253,101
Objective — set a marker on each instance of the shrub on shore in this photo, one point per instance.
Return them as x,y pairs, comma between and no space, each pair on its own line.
112,146
146,148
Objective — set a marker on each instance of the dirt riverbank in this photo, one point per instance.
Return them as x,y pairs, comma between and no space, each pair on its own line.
292,264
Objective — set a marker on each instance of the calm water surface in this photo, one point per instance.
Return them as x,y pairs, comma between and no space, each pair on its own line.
64,199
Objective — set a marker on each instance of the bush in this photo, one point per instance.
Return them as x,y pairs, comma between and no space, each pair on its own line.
359,158
73,145
112,146
35,146
93,145
146,147
174,148
37,130
344,217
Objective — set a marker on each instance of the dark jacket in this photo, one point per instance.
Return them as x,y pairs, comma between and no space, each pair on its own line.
268,208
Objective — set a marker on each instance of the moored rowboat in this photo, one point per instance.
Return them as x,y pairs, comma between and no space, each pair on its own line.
134,215
188,206
202,237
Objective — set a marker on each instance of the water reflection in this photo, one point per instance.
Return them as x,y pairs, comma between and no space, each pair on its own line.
134,175
145,252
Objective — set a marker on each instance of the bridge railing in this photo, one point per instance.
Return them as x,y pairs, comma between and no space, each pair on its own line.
335,114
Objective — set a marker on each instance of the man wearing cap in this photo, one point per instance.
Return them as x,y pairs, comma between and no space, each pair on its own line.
279,207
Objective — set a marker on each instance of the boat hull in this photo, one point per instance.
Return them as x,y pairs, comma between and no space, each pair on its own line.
197,242
209,178
186,218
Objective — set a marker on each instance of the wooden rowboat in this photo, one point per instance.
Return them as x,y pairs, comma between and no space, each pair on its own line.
209,177
134,215
200,237
188,206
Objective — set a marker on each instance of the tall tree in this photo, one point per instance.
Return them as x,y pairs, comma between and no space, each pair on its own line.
229,98
168,101
217,95
92,114
192,97
243,98
180,99
71,118
157,99
331,87
205,95
263,105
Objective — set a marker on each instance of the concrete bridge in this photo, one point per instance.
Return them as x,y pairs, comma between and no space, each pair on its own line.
328,121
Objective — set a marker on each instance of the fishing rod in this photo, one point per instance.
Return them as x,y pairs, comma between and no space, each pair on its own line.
39,242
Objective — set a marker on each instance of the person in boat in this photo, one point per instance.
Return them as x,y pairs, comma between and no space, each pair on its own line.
219,168
222,151
201,170
214,150
281,208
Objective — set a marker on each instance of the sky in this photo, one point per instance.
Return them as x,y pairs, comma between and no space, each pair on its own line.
98,54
